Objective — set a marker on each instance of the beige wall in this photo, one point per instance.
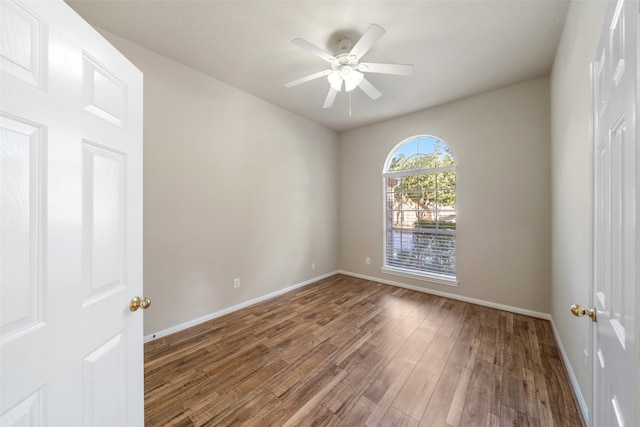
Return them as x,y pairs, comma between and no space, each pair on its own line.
571,157
233,187
501,143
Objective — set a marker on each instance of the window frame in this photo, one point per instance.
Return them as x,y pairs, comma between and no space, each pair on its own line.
432,277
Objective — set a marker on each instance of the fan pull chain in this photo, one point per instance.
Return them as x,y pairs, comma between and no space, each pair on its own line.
350,102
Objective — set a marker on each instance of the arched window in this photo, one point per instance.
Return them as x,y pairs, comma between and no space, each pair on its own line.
420,210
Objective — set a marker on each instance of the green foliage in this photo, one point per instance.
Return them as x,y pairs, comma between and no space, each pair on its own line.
427,189
440,156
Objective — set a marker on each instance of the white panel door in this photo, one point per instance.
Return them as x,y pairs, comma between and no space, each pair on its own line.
70,223
614,74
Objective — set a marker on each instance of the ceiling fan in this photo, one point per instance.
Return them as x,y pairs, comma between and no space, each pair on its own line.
346,66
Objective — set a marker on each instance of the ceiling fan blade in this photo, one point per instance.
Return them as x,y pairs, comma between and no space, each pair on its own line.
307,78
309,47
368,39
331,96
397,69
369,89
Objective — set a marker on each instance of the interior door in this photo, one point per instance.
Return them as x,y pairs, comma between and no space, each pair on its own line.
614,79
70,223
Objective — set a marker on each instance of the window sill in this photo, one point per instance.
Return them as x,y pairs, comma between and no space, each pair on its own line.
427,277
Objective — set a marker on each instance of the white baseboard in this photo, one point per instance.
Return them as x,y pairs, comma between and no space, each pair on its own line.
518,310
194,322
572,377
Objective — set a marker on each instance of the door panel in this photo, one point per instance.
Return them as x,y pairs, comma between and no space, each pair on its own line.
25,413
105,391
103,93
70,224
614,218
21,202
24,44
104,220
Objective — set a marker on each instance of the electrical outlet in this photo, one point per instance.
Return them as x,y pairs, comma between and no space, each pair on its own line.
313,265
367,260
236,282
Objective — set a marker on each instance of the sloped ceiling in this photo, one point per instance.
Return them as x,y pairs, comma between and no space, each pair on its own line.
458,48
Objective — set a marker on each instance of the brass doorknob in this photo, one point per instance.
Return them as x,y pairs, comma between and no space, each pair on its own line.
580,311
137,302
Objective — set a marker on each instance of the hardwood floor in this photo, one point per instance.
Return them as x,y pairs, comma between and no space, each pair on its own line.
351,352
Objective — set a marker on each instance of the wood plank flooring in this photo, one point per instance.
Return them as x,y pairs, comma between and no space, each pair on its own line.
351,352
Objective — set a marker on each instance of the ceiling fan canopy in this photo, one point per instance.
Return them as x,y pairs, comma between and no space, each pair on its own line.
346,66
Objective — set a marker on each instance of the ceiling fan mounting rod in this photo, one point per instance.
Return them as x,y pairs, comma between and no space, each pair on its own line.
344,44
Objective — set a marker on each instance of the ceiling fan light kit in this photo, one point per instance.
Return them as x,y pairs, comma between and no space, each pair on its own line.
346,66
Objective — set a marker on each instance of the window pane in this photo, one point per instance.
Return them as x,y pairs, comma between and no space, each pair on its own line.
420,209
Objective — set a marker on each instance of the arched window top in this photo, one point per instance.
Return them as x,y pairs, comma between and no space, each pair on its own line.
421,152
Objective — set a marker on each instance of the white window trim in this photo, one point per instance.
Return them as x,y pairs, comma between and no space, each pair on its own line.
427,277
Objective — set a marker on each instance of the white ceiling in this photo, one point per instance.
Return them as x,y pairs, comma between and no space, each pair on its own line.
459,48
